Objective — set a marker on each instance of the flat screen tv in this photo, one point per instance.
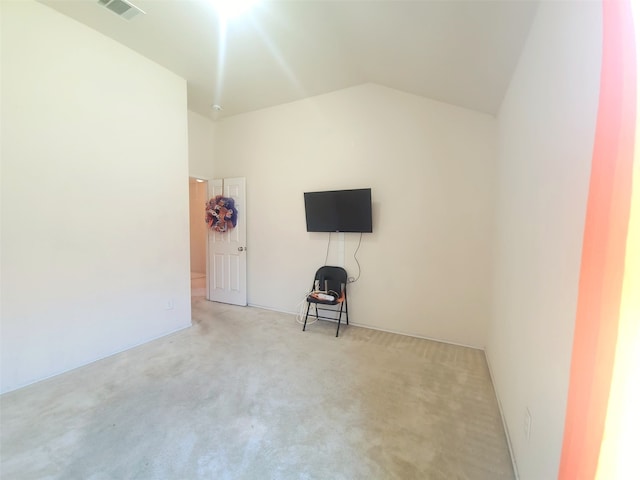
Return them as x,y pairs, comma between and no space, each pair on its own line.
339,211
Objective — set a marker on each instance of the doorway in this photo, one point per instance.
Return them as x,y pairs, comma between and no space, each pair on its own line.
198,237
228,248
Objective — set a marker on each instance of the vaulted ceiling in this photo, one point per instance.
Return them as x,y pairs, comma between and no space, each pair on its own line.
454,51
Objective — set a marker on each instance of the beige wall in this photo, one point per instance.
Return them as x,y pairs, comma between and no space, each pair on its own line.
198,227
425,268
95,225
546,131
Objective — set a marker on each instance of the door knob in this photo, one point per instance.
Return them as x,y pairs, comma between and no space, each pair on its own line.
241,249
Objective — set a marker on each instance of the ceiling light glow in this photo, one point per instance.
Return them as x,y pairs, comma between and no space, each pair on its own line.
229,9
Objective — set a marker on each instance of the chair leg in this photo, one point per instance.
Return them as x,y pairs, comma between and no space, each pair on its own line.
339,318
305,317
346,308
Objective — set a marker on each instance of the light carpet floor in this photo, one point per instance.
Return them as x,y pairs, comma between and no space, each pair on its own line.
245,394
198,287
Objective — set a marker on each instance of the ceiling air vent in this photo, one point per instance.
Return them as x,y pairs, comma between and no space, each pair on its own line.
121,8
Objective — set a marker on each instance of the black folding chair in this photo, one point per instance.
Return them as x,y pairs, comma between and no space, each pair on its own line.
328,281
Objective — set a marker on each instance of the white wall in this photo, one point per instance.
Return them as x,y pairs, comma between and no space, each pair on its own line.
546,131
430,167
94,196
200,146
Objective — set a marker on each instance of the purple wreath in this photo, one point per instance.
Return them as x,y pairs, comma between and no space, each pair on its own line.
221,213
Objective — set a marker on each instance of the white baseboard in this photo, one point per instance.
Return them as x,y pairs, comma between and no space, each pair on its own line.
271,309
504,423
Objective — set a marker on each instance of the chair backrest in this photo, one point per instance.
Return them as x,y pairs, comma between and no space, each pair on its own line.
332,279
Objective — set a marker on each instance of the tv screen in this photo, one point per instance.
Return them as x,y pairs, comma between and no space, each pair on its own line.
338,211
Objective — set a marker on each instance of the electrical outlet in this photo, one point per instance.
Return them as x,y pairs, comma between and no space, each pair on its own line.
168,305
527,424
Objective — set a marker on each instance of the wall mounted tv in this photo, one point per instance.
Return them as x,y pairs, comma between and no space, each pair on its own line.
338,211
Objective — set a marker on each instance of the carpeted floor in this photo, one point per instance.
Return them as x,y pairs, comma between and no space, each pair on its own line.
198,285
244,394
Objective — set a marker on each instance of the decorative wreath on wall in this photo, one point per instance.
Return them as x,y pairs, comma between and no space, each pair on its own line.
221,214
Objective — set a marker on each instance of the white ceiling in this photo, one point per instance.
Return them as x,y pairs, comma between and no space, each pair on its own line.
459,52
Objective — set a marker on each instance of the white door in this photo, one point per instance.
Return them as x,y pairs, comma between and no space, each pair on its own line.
227,251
